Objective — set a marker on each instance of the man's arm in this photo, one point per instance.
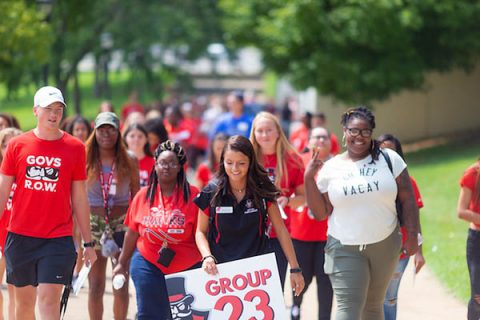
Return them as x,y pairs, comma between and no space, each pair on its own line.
5,187
82,216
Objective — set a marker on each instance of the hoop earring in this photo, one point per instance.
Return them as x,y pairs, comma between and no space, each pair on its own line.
344,142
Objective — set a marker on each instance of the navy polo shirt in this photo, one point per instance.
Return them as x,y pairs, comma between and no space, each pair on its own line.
236,230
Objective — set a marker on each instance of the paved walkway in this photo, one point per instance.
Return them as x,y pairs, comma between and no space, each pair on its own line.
422,298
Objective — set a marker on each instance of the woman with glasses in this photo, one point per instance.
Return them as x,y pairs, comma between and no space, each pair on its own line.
112,181
356,191
160,238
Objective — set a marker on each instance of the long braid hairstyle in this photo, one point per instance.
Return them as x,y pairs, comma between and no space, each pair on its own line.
182,181
259,186
362,112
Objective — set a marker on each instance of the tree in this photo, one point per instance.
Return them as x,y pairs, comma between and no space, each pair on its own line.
25,42
357,51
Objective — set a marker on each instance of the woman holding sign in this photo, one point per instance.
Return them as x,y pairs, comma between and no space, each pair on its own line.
235,208
160,239
357,191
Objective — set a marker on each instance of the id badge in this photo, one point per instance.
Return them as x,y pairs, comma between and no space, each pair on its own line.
165,256
113,188
224,210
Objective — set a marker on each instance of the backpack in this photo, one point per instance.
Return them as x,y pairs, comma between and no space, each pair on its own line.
398,204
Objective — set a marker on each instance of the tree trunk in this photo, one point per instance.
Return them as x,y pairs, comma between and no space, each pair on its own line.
76,93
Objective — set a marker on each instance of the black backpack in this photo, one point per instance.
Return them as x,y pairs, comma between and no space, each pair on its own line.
398,204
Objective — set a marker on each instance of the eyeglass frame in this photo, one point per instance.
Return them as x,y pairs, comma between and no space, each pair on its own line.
360,132
168,165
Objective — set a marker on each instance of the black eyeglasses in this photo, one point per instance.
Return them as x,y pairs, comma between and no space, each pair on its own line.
171,165
366,133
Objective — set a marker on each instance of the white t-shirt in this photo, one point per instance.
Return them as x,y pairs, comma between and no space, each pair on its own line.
363,197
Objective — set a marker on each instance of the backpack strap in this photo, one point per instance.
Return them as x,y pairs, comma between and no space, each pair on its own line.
398,204
387,159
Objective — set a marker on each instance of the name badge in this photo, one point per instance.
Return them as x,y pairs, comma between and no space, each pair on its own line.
224,209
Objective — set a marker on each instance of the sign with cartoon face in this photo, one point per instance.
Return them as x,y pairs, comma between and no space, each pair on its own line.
243,289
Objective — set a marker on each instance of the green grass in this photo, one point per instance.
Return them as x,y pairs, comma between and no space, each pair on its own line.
21,106
438,171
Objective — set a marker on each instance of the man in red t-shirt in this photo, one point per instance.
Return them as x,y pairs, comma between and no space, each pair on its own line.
48,166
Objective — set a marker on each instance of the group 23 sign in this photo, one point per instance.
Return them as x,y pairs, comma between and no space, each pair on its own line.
244,289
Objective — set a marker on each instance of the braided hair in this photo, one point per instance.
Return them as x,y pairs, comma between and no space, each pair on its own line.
362,112
181,176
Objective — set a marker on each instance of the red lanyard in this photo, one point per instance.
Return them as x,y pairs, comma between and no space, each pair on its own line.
106,189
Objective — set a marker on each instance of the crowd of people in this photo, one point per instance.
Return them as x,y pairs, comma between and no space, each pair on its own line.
350,219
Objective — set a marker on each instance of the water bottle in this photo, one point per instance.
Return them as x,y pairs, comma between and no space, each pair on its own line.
118,281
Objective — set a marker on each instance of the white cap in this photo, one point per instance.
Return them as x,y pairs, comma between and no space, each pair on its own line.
45,96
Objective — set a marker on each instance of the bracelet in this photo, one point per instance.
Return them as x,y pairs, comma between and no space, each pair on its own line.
90,244
209,256
296,270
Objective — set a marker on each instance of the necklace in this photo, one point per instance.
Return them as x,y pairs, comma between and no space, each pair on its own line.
239,190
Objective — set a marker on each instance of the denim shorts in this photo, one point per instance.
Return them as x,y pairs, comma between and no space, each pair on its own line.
31,260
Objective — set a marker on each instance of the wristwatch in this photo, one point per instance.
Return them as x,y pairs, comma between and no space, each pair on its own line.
296,270
90,244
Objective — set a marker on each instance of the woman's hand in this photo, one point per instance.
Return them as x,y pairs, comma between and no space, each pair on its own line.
313,166
410,247
209,265
419,261
119,269
283,201
89,256
297,282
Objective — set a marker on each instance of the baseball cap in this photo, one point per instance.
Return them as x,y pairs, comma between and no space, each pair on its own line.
45,96
107,118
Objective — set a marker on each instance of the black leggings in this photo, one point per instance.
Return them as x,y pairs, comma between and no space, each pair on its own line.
473,262
311,257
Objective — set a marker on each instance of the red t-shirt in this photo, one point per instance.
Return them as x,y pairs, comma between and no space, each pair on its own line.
183,133
303,227
295,169
44,171
469,180
299,137
418,200
131,107
145,165
204,174
5,219
335,147
173,220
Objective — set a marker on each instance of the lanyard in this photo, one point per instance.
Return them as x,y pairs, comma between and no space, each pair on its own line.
106,189
162,235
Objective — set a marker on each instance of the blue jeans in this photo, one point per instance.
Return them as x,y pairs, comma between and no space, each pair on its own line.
150,285
390,303
473,262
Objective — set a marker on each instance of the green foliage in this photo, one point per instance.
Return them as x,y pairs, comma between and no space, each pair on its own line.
437,172
25,40
357,50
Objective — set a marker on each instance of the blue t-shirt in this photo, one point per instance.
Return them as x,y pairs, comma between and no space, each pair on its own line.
230,125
